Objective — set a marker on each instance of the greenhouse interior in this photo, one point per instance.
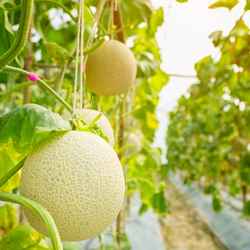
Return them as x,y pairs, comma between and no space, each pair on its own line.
124,124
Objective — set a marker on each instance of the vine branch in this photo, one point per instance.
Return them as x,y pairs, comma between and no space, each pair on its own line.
38,210
42,84
119,35
22,34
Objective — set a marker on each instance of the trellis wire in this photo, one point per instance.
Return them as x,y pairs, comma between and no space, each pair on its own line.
78,96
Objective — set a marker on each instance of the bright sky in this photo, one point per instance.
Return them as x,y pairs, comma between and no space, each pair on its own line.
184,39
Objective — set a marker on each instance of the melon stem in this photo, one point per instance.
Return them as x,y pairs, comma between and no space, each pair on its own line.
41,212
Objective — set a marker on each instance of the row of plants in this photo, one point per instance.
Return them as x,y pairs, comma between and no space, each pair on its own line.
208,136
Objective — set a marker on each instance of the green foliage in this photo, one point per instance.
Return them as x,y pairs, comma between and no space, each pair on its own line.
182,1
247,6
52,55
246,209
125,244
22,129
5,30
22,238
208,136
144,168
229,4
8,215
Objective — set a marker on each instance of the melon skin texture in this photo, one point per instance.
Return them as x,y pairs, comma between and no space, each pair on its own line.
78,178
111,69
89,115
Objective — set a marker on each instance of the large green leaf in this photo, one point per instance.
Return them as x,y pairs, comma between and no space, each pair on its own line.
22,129
28,125
135,12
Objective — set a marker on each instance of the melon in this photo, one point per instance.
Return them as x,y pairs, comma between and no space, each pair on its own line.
89,115
111,69
79,179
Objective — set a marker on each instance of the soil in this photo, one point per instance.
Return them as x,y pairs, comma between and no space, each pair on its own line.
184,228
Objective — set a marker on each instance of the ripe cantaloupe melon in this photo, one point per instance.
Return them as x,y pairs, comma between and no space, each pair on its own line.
89,115
111,69
79,179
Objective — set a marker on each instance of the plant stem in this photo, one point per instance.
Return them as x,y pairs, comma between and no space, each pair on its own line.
12,172
41,212
42,84
119,34
118,24
22,34
59,81
121,130
181,75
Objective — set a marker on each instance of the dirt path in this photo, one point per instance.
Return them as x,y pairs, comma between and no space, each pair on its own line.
184,229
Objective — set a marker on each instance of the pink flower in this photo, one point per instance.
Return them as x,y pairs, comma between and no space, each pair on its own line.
33,77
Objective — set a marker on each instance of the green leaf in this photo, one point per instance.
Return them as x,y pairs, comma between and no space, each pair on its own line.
57,52
22,129
229,4
159,203
5,32
8,217
28,125
135,12
216,201
182,1
156,20
23,238
247,6
216,37
246,208
143,208
12,183
245,167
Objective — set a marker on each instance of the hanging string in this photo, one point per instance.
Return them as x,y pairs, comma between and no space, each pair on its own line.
82,64
75,95
113,9
116,5
99,9
111,21
78,97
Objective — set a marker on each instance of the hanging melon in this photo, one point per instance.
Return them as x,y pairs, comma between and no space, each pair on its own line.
111,69
79,179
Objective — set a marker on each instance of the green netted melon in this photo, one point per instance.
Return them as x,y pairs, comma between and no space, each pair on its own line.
89,115
79,179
